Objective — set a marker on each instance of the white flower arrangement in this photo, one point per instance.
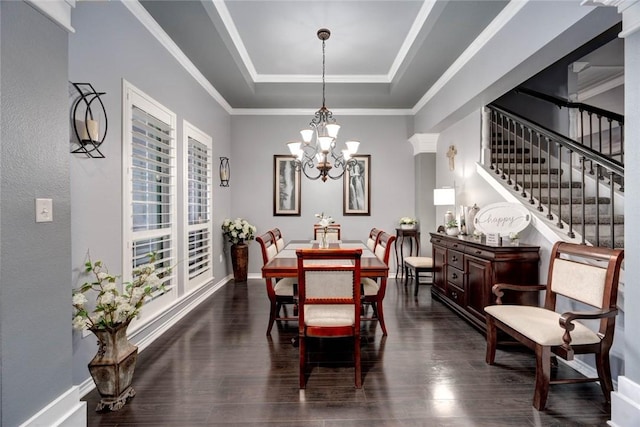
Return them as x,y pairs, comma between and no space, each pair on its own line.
238,230
325,220
408,220
513,236
113,308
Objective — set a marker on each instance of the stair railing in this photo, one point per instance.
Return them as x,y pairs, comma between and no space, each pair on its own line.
590,130
519,145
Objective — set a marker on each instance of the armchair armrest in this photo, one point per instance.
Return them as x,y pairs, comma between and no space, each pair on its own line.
566,323
498,287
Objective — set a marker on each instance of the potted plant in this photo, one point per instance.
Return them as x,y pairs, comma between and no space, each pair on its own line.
407,222
452,228
237,232
113,365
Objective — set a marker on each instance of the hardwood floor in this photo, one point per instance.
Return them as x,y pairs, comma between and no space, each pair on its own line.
217,368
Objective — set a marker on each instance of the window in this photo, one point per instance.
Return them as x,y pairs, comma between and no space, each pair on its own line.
149,181
199,170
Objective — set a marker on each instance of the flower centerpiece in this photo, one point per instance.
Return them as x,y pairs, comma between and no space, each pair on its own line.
408,222
325,221
237,232
113,365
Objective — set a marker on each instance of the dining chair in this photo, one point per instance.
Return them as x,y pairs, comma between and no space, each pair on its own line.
375,290
372,241
277,235
417,265
329,301
333,232
586,278
280,291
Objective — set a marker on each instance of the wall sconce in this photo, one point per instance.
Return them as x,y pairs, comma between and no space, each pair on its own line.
85,121
445,197
225,171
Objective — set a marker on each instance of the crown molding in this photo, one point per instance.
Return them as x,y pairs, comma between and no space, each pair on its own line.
630,10
141,14
59,11
311,112
424,142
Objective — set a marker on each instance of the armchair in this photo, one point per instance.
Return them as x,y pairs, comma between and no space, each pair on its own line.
373,290
281,291
585,275
329,300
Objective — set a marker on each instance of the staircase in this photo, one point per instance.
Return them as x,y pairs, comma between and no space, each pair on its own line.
577,187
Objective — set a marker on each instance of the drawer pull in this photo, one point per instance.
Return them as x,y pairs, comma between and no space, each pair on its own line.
454,276
478,252
454,258
454,294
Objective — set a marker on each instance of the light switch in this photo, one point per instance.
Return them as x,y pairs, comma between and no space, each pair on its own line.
44,210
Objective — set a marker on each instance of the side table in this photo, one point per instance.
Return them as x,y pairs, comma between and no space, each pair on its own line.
413,237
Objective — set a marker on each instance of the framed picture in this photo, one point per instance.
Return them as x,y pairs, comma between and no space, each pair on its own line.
286,186
356,199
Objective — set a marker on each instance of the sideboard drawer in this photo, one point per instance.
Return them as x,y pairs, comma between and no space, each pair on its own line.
455,259
480,253
455,276
456,294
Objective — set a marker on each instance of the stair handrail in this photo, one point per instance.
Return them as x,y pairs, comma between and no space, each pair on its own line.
588,153
560,102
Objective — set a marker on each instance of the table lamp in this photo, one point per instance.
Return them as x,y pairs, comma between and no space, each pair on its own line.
445,197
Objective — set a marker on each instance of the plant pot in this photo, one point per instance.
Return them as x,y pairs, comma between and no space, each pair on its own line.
112,367
407,226
240,261
452,231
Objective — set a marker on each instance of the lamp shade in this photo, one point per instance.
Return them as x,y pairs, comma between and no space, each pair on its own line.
444,196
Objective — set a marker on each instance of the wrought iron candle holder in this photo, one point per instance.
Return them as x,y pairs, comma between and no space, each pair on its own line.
225,172
86,117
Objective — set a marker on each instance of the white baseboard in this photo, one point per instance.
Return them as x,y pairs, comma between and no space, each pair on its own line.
152,330
66,411
625,404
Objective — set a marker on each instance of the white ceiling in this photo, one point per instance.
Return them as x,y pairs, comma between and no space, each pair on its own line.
266,54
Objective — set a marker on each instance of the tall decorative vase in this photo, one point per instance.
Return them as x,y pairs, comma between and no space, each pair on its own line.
240,261
112,367
324,244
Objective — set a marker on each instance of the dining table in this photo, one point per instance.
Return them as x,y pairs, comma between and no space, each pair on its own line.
285,262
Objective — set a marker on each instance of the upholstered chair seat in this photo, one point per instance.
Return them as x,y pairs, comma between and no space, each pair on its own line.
417,265
540,325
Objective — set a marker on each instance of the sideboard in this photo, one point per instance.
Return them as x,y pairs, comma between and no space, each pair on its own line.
466,269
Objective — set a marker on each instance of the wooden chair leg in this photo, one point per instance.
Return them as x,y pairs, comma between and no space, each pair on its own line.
417,282
492,334
302,347
380,315
543,376
356,361
272,316
604,374
406,274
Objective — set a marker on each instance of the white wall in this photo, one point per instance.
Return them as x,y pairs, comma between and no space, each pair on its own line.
257,138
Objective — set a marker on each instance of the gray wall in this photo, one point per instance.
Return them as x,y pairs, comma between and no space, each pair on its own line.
35,315
257,138
109,45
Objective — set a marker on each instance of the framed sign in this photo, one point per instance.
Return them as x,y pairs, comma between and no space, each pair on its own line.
356,197
286,186
502,218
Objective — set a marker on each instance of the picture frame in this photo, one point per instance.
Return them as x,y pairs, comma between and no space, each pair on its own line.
356,195
286,186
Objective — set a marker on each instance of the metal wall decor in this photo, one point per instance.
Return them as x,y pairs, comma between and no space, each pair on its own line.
225,172
87,117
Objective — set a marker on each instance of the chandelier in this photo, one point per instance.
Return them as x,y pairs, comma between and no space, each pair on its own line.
318,147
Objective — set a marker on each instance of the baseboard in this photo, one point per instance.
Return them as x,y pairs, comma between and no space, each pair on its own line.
66,411
625,404
154,328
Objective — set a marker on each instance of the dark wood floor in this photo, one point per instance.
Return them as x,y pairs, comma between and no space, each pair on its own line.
217,367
